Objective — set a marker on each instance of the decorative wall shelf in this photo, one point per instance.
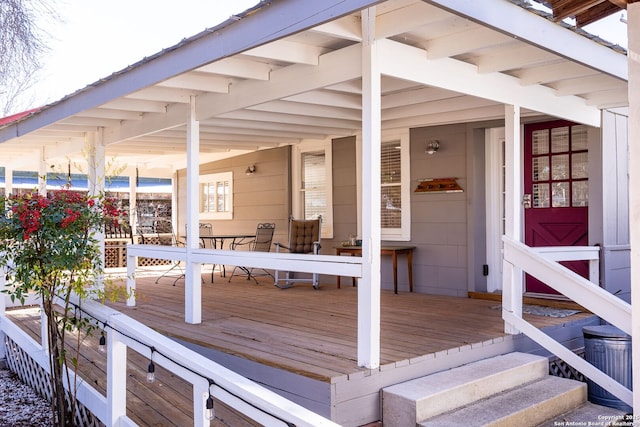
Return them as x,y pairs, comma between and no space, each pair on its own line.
438,185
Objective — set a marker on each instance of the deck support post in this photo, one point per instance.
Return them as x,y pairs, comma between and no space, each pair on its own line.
633,32
369,288
192,278
512,287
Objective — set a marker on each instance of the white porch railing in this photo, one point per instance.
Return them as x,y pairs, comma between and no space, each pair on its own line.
323,264
207,377
535,262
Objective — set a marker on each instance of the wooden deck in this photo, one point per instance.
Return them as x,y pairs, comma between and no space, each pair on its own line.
301,342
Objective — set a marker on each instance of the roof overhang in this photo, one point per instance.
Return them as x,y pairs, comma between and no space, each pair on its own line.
290,70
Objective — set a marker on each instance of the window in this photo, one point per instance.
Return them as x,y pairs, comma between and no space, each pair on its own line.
312,177
216,196
395,216
559,161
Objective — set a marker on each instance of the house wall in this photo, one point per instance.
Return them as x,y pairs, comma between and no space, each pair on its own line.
442,226
261,197
440,220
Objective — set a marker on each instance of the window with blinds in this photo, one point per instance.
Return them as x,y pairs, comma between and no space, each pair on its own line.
314,184
216,196
391,185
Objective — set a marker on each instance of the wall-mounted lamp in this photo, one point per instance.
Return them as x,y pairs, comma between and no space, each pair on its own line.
250,170
432,147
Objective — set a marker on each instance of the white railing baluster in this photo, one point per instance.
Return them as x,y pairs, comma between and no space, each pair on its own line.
116,378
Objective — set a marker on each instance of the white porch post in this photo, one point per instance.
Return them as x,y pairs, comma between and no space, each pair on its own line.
96,176
633,32
512,287
133,197
8,180
42,173
369,287
192,280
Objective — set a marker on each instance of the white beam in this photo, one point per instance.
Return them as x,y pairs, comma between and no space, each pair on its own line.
283,50
519,23
334,67
458,76
198,81
238,67
369,290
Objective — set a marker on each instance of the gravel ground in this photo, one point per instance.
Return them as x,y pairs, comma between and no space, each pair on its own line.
20,405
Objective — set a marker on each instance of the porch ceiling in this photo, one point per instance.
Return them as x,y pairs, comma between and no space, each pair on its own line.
442,64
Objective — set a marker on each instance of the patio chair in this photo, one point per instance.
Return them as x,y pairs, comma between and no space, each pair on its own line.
261,243
304,238
206,229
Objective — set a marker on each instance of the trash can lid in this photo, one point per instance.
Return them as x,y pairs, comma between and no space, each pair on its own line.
604,331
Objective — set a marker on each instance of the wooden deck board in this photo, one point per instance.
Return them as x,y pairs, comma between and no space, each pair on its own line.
308,332
315,331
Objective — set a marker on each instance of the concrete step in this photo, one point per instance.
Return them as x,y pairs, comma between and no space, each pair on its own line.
411,402
527,405
589,414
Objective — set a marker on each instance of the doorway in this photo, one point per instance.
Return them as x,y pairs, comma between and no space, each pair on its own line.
556,191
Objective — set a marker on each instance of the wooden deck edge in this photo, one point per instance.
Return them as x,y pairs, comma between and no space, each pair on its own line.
569,305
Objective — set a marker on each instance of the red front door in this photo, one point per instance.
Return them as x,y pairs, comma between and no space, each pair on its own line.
556,183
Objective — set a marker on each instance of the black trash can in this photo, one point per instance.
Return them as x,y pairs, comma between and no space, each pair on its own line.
608,349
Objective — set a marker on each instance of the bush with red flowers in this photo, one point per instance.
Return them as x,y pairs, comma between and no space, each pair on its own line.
49,247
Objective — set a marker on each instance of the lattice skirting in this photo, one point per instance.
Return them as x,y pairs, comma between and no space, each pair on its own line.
30,373
559,368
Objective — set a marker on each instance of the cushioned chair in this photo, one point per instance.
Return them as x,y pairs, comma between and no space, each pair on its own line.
304,238
261,243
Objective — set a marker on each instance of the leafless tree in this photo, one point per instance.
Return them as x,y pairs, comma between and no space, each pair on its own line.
22,45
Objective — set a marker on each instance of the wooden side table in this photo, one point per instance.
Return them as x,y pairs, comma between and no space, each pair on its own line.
394,251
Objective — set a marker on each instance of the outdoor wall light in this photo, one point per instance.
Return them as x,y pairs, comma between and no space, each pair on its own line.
432,147
250,170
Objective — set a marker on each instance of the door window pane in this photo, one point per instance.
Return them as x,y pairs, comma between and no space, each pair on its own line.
560,196
540,140
579,137
541,195
579,163
560,140
580,193
540,168
560,167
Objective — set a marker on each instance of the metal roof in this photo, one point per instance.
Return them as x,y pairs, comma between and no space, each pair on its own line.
290,70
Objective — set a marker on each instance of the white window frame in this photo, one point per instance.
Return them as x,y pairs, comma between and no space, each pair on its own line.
297,198
403,234
213,178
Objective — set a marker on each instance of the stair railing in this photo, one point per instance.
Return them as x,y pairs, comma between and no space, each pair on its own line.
521,258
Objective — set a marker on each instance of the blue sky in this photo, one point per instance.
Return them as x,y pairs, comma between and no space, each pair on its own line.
96,39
